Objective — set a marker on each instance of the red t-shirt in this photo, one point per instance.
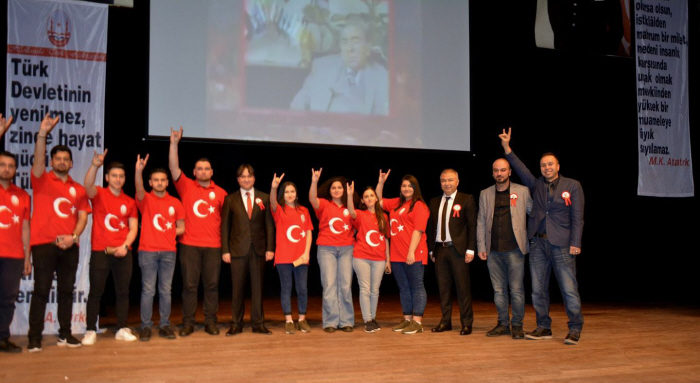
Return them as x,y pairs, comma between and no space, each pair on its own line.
202,212
159,222
110,218
334,226
402,224
371,243
14,210
56,207
292,226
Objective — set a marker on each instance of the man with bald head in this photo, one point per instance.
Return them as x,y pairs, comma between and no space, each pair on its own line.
554,228
501,237
452,242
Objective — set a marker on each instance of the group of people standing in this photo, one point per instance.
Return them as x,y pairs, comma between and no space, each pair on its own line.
247,228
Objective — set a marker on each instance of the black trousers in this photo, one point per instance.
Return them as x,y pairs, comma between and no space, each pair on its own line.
47,259
10,274
450,270
253,266
196,262
100,265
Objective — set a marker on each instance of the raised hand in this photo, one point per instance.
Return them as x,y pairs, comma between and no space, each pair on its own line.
276,180
316,174
383,176
351,188
4,124
505,140
99,159
48,124
141,162
175,135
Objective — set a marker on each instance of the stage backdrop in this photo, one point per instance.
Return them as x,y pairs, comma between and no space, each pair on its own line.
665,163
56,63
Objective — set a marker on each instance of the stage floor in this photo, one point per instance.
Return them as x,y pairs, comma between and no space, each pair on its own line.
620,343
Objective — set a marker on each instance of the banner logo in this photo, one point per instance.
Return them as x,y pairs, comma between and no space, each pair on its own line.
58,28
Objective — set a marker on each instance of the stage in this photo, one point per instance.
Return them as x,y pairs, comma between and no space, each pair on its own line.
619,343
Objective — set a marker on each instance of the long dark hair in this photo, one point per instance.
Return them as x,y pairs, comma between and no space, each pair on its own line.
378,212
280,196
417,196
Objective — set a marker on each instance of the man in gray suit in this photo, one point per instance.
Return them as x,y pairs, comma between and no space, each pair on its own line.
349,82
502,242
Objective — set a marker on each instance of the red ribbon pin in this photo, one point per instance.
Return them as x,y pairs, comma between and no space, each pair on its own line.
456,208
567,198
513,199
259,202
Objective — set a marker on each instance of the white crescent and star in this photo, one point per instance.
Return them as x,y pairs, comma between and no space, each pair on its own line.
57,204
368,238
291,238
15,218
332,221
391,223
195,208
156,223
108,223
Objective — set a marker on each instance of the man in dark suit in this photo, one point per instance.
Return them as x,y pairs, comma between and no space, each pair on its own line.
554,227
247,241
452,242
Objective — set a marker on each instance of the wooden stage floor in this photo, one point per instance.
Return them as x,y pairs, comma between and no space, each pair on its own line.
619,344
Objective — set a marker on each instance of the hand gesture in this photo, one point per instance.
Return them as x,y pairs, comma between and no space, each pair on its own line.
4,125
141,162
316,175
505,140
48,124
351,188
276,180
383,176
175,135
99,159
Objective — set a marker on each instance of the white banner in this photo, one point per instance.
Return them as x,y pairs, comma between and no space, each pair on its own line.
665,163
56,63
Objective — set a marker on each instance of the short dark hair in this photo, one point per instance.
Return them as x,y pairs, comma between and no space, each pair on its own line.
114,165
203,159
61,148
550,154
5,153
158,170
243,167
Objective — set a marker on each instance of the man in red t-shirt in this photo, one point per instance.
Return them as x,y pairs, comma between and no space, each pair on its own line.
14,241
61,210
114,229
200,250
157,246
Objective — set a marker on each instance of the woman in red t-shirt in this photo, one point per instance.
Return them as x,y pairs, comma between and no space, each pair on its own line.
371,254
335,244
408,218
293,244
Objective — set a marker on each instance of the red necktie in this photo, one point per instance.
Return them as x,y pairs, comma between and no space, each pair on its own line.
250,205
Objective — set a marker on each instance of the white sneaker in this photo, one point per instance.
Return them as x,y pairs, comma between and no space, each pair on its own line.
89,338
125,335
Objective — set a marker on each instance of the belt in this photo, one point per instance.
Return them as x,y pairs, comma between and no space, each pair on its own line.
445,244
541,235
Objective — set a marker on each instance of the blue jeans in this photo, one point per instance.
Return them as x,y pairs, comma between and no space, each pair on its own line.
543,258
507,270
336,278
300,273
411,290
154,265
369,277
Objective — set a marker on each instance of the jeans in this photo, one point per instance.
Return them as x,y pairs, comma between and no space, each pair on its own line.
369,277
100,265
507,270
300,273
156,266
411,290
336,278
195,262
47,259
10,274
543,258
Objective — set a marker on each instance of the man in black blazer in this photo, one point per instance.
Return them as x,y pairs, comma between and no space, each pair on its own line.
452,242
247,241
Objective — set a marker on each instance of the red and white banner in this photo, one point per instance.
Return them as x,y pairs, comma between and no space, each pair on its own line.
56,63
665,163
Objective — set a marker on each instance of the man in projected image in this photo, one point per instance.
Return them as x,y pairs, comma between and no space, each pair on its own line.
349,82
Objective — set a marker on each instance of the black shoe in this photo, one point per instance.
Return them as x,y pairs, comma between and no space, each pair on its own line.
442,327
573,337
329,329
346,328
34,345
376,325
369,326
539,333
68,341
261,330
145,334
186,330
166,332
518,332
211,329
466,330
234,330
7,346
499,330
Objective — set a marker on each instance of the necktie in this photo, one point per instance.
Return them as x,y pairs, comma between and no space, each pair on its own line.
249,203
443,220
